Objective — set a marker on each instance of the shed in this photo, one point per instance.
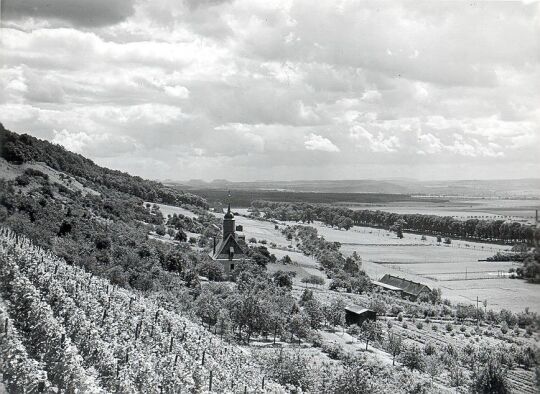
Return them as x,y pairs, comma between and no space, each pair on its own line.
357,315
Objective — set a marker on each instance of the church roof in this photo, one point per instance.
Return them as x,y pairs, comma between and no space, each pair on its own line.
224,248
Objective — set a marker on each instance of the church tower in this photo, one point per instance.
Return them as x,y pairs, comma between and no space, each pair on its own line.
228,223
228,252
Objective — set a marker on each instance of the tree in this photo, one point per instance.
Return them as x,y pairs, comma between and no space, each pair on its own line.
491,375
397,227
284,279
411,357
371,331
351,266
315,312
335,313
161,230
181,236
432,366
394,346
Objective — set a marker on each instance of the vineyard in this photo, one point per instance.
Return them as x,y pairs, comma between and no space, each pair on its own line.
64,329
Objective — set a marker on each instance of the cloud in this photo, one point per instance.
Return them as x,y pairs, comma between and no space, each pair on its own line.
96,145
319,143
78,12
255,89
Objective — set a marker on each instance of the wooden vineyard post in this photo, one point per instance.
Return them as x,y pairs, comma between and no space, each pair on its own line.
6,325
210,384
175,360
171,344
203,354
245,389
263,383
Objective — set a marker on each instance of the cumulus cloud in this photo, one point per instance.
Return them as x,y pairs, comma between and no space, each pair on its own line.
250,89
317,142
78,12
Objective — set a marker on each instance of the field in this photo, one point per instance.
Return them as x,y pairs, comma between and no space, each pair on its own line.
244,198
505,209
455,269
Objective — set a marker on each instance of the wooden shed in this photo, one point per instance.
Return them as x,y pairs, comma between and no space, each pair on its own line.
357,315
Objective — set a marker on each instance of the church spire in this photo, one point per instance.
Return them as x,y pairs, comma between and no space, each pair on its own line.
229,214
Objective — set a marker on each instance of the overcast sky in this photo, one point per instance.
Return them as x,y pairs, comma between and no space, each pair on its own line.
266,89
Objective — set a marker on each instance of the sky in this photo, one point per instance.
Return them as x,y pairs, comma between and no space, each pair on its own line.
281,90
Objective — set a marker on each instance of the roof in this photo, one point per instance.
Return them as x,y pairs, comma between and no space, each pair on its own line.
386,286
357,309
407,286
224,247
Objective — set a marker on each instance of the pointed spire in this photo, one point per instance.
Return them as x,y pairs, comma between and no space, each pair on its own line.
229,214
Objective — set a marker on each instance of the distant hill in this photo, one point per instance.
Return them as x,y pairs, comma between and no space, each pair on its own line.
528,187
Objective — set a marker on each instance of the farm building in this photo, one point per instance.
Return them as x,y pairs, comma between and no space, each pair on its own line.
409,289
356,315
388,288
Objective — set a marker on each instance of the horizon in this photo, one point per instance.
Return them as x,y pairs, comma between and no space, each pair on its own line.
280,90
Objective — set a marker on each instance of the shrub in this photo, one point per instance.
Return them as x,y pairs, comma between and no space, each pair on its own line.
504,327
23,180
334,350
412,358
419,325
462,328
400,316
430,348
404,325
434,327
449,327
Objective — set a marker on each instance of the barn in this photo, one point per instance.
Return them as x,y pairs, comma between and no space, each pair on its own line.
357,315
409,289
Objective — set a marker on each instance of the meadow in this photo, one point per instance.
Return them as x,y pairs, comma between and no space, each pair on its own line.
454,268
504,209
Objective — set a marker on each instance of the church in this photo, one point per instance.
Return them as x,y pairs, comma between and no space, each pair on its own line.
229,250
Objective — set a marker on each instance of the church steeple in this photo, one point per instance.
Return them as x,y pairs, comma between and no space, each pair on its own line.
228,220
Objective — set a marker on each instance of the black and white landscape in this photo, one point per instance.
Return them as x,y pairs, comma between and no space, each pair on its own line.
288,196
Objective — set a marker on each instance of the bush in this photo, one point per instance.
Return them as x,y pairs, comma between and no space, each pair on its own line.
419,325
449,327
400,317
404,325
434,327
504,327
412,358
334,350
430,348
23,180
462,328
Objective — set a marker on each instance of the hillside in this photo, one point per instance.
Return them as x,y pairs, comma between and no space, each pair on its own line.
23,148
108,339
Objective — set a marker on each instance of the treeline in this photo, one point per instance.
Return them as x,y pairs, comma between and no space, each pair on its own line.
346,273
474,229
21,148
